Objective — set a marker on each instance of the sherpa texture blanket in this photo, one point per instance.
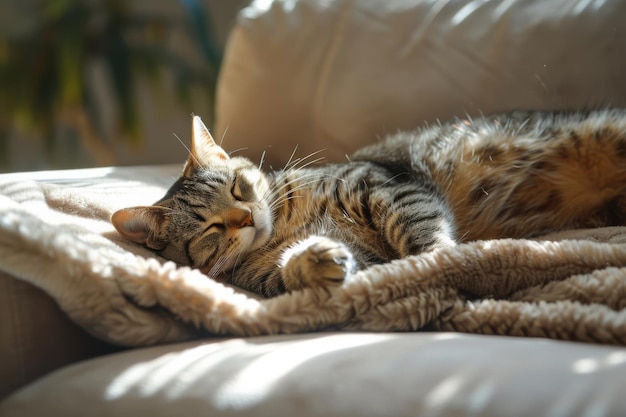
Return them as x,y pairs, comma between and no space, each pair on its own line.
56,235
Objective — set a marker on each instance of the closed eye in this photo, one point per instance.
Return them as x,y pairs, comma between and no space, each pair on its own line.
236,190
199,217
215,228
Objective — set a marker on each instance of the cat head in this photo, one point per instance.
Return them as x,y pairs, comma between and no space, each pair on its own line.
215,213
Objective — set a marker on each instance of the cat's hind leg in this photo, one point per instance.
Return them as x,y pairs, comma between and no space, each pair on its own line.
574,177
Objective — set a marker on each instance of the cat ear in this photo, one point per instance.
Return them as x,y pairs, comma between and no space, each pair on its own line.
203,147
141,225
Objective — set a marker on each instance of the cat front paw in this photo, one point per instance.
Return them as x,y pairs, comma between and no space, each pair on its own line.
316,261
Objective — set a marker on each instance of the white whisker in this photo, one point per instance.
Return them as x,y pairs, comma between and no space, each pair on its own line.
237,150
187,148
218,266
292,165
290,157
224,135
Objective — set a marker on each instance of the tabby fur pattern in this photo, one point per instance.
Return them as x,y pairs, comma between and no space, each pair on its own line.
512,175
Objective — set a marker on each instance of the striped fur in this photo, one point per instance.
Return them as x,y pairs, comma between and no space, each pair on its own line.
513,175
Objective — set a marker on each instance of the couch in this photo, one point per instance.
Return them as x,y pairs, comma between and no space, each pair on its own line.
332,75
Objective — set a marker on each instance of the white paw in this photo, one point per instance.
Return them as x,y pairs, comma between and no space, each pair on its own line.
316,261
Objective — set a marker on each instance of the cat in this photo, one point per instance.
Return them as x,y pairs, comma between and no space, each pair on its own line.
511,175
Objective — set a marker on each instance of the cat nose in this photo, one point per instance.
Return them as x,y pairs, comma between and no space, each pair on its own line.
239,218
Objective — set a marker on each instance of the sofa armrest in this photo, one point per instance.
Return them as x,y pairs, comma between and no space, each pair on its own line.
36,337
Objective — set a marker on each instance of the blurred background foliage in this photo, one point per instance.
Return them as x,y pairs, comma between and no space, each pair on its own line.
48,49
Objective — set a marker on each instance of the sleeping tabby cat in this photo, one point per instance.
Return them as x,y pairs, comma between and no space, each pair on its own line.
513,175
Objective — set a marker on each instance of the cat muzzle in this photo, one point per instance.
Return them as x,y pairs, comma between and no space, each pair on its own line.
239,218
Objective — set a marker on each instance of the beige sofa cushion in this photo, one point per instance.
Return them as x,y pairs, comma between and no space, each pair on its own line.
337,74
339,374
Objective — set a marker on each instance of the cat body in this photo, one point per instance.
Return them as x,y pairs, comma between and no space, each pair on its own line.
514,175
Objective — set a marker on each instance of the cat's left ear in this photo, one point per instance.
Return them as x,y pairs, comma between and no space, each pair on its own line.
204,150
143,225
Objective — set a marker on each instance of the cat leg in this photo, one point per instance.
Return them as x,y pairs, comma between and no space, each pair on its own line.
413,220
572,178
422,236
316,261
312,262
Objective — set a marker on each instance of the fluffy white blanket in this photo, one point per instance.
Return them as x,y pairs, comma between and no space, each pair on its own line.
57,236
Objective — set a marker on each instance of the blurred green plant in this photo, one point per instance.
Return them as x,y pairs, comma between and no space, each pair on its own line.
48,48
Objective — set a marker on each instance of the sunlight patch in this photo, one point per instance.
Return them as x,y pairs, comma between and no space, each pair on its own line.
253,383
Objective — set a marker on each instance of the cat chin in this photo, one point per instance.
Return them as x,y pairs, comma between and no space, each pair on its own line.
262,229
257,236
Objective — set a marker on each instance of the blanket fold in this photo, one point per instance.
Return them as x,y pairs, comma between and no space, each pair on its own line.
569,286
